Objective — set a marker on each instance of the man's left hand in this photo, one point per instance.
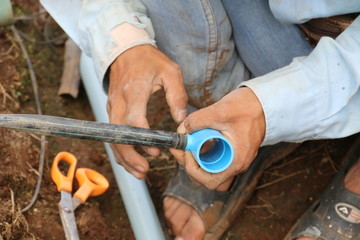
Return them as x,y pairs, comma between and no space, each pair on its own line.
240,118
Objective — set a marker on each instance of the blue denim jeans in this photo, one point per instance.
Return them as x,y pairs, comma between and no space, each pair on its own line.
218,44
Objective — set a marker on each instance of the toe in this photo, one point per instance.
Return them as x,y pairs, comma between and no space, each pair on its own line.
170,206
180,218
194,229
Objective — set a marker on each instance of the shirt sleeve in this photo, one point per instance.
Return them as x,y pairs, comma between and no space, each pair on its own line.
317,96
103,29
295,11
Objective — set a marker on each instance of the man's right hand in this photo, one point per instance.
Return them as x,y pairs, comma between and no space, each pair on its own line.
134,76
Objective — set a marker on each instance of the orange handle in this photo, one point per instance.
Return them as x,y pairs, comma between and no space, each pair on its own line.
63,183
91,183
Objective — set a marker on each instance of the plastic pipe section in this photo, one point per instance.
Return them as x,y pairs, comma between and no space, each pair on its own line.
6,13
134,192
218,157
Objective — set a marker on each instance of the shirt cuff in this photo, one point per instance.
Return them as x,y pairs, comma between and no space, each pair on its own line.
289,105
125,36
315,96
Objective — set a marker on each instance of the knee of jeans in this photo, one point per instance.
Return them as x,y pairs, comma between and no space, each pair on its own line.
197,36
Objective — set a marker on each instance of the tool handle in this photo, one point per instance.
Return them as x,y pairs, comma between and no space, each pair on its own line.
63,183
104,132
91,183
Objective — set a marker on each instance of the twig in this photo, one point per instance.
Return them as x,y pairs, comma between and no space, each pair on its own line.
12,201
8,51
32,169
62,37
163,168
29,17
34,136
280,179
31,69
256,206
267,205
331,161
300,157
39,111
270,207
6,95
273,173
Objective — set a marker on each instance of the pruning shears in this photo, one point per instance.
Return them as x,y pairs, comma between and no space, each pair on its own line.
91,183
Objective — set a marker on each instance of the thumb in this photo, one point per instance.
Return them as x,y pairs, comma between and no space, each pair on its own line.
200,119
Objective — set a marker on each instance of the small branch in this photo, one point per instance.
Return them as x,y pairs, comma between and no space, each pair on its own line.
280,179
331,161
32,169
7,96
300,157
163,168
12,201
34,136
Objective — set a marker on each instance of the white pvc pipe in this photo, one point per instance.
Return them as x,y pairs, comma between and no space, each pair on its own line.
134,192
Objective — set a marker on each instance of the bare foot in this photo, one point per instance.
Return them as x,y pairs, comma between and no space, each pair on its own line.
183,221
351,183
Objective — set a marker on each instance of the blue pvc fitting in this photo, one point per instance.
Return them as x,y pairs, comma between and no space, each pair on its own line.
220,155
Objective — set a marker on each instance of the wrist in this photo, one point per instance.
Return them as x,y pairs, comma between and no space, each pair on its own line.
255,111
246,108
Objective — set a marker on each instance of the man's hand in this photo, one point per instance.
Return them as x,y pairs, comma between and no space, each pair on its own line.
240,118
134,76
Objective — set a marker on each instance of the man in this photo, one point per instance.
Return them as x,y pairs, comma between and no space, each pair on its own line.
205,54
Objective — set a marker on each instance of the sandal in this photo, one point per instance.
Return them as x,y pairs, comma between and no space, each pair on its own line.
335,215
219,209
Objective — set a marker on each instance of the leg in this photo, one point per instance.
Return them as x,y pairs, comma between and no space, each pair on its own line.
263,43
197,36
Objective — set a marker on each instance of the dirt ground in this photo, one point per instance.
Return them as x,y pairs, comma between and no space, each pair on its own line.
284,192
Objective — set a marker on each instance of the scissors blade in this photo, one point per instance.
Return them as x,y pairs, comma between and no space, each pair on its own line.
67,216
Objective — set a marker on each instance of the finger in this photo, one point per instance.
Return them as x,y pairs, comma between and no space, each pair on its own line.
192,167
133,162
203,118
196,173
153,151
130,169
175,93
136,115
179,155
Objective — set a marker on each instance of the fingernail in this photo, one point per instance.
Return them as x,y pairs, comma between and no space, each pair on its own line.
137,175
140,168
181,115
153,151
179,238
181,129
